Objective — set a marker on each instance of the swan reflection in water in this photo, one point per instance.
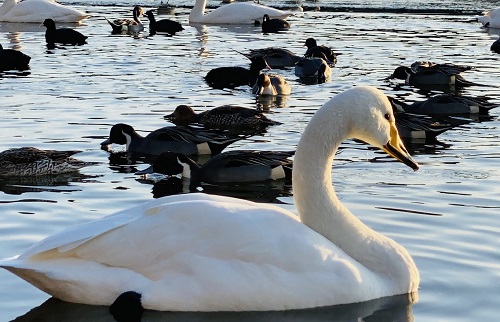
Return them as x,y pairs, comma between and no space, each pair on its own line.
393,308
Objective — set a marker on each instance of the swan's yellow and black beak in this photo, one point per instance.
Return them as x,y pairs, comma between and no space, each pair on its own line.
397,150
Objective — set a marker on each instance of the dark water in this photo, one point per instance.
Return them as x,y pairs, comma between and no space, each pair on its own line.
445,214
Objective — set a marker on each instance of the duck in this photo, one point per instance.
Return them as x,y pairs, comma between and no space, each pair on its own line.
490,19
236,166
168,26
275,57
215,253
225,117
233,13
186,140
66,36
446,104
315,50
274,25
35,11
495,46
124,25
231,77
11,59
271,84
423,74
417,127
313,67
30,161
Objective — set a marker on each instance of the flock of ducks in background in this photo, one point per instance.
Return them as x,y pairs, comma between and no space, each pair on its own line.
99,279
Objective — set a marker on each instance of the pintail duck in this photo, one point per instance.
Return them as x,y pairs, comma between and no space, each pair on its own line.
233,13
313,67
495,47
226,117
11,59
271,84
425,128
274,25
233,254
231,77
275,57
428,74
446,104
321,51
65,36
30,161
128,25
164,25
228,167
185,140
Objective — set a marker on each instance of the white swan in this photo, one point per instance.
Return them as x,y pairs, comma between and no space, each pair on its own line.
37,11
233,13
490,19
198,252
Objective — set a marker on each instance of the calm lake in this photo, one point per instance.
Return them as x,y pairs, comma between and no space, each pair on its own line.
446,214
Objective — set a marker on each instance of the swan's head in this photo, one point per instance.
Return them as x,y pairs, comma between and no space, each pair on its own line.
372,121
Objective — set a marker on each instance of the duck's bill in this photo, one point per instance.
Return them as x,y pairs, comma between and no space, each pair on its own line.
168,117
105,142
397,150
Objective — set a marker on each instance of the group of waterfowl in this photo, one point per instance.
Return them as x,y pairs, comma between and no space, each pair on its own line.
200,252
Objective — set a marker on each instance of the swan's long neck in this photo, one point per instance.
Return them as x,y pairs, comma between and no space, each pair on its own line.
198,10
321,210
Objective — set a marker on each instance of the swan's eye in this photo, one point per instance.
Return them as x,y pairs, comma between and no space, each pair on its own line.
387,116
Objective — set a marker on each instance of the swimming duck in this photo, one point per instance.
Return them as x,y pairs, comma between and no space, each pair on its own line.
128,25
164,25
13,59
185,140
228,167
275,57
233,13
66,36
446,104
214,253
271,84
313,67
423,127
495,47
231,77
274,25
315,50
38,10
490,19
29,161
426,73
223,117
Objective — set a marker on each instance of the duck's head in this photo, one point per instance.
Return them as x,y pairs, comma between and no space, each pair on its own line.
265,18
150,14
259,63
310,43
371,120
181,116
119,134
169,163
402,72
49,23
137,11
263,81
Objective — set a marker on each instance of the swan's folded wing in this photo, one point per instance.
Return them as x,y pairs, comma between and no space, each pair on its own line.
73,237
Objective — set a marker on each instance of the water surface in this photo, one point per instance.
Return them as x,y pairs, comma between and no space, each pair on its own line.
444,214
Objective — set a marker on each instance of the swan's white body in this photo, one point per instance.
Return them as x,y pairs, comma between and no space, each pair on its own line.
233,13
37,11
490,19
198,252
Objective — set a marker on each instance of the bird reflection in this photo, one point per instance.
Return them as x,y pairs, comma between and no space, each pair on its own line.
394,308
